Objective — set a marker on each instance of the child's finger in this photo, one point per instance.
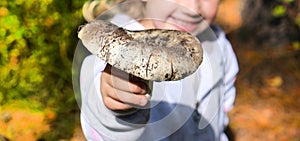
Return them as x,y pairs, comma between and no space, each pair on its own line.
118,81
113,104
127,97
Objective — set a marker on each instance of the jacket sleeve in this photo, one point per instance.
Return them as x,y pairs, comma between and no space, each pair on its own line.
104,122
231,70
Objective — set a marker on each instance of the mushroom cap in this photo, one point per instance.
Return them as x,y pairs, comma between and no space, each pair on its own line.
152,54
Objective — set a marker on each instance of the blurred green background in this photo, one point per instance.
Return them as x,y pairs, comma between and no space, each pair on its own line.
38,39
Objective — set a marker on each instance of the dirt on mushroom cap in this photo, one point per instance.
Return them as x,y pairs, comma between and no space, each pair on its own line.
153,54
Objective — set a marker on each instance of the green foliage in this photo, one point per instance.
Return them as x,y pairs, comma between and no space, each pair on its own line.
272,23
279,11
290,9
38,38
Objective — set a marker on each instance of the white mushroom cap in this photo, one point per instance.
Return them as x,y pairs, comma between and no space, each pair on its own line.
154,54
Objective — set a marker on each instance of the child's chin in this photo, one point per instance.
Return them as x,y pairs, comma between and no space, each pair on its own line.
164,25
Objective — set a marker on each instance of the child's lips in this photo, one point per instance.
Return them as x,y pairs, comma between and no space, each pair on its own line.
187,25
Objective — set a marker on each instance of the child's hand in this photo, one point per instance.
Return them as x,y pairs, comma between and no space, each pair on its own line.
120,92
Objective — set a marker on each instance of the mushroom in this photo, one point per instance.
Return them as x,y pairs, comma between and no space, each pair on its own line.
152,54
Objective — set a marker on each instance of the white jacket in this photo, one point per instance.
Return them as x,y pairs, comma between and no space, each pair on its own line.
193,108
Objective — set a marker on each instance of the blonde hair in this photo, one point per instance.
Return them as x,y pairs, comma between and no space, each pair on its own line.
134,8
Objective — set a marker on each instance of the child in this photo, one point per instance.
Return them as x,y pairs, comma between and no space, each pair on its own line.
115,106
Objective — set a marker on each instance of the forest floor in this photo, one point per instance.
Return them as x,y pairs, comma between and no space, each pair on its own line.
267,106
